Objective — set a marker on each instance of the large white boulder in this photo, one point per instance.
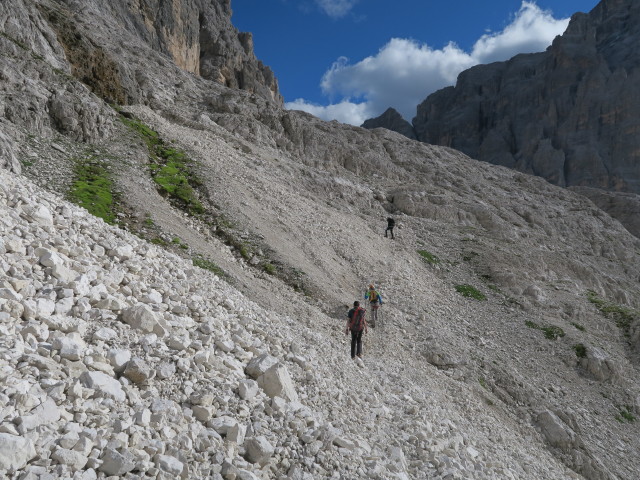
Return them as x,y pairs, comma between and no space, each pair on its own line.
277,382
15,452
260,364
109,386
258,450
144,319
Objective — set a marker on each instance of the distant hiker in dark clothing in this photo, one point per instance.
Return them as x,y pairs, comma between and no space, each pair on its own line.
390,224
357,325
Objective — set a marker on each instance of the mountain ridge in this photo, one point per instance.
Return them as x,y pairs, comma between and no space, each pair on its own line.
204,335
567,114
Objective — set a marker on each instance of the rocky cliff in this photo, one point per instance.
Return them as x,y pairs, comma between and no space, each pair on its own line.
569,114
90,41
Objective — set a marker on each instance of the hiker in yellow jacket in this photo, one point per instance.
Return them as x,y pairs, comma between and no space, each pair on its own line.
375,300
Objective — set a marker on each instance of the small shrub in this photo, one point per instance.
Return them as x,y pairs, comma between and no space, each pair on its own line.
623,316
469,291
552,332
625,415
244,251
581,350
208,265
270,268
467,257
482,383
578,326
428,257
159,241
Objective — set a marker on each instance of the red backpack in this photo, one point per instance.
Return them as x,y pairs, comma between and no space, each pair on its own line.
357,321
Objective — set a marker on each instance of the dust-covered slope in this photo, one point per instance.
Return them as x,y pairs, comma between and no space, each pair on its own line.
536,380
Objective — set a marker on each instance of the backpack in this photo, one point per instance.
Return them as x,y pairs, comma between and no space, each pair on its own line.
357,321
373,296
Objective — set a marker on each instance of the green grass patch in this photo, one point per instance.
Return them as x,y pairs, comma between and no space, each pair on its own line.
552,332
170,167
205,264
625,415
469,291
581,350
15,41
531,324
623,316
270,268
578,326
483,383
428,257
92,188
244,250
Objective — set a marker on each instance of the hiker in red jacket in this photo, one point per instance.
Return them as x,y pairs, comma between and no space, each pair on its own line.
357,325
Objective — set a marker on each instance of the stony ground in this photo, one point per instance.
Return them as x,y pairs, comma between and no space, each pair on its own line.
122,359
119,358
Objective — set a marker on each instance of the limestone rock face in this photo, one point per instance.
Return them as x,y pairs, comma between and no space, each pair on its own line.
392,120
624,207
569,114
196,34
61,60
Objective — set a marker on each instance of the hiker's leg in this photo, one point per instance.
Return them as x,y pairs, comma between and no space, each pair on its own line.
354,341
359,339
392,236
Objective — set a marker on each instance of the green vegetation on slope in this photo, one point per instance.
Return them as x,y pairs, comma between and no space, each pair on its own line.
623,316
92,189
552,332
170,168
471,292
428,257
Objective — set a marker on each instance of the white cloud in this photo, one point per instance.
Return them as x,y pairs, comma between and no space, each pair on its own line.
336,8
403,72
345,111
532,30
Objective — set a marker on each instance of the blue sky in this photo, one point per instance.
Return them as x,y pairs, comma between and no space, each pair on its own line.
351,59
